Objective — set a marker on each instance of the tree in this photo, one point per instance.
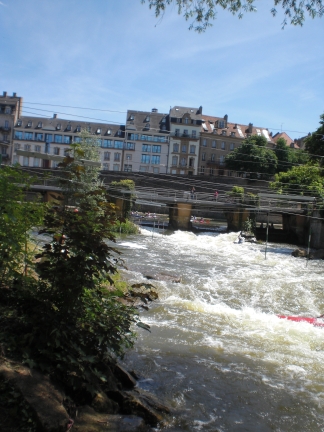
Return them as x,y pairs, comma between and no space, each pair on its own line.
314,144
287,156
300,180
202,12
253,157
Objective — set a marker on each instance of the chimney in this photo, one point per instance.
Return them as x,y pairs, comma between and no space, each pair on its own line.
226,118
54,115
235,127
270,133
4,94
14,94
250,127
154,110
200,110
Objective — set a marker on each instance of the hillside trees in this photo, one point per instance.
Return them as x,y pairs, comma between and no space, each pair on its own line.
203,12
287,156
253,157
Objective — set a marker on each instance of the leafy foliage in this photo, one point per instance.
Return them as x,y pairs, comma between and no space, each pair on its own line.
300,180
314,144
123,189
17,218
253,157
202,12
287,157
65,321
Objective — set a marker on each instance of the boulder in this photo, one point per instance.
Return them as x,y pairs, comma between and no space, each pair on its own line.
164,277
88,420
45,400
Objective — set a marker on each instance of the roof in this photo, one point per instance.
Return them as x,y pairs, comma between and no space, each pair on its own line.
50,125
290,142
147,121
211,124
179,112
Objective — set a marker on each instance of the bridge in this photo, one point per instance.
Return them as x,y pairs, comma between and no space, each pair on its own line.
297,213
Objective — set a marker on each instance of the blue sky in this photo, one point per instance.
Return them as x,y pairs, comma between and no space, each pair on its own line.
115,55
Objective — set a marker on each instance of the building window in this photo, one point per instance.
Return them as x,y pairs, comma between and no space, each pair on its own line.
98,131
128,157
193,134
145,158
222,160
5,138
18,135
68,127
67,139
25,161
223,145
203,156
105,166
143,168
39,136
212,158
223,132
177,132
130,146
48,138
29,124
77,139
78,128
17,146
19,122
37,148
117,157
6,126
146,148
185,133
204,142
116,167
232,133
174,160
183,162
8,110
155,160
186,120
221,124
184,148
40,124
128,168
58,126
106,156
192,149
58,138
191,162
88,128
27,147
107,143
202,170
118,144
56,151
156,170
156,149
231,146
175,147
29,136
36,162
213,144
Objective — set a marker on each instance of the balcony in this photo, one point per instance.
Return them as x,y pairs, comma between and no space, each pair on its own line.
5,128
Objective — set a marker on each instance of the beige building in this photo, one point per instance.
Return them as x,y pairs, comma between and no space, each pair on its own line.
185,126
218,137
10,111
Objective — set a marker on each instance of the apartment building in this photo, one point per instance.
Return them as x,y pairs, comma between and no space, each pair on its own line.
147,140
218,137
185,127
53,136
10,111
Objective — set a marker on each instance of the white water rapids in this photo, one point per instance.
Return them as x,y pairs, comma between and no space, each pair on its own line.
217,353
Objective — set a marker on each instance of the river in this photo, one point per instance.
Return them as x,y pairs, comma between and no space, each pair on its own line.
217,353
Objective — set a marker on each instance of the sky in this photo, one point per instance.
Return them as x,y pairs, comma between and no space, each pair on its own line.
107,56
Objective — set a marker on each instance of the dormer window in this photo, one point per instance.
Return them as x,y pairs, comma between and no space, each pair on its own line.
109,132
88,128
29,124
58,126
163,120
223,132
147,126
40,124
147,119
215,131
131,117
221,124
8,110
98,131
186,120
19,122
68,127
232,133
119,133
78,128
163,127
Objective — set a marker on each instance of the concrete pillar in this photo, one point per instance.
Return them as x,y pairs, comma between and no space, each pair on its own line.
235,219
317,231
179,216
